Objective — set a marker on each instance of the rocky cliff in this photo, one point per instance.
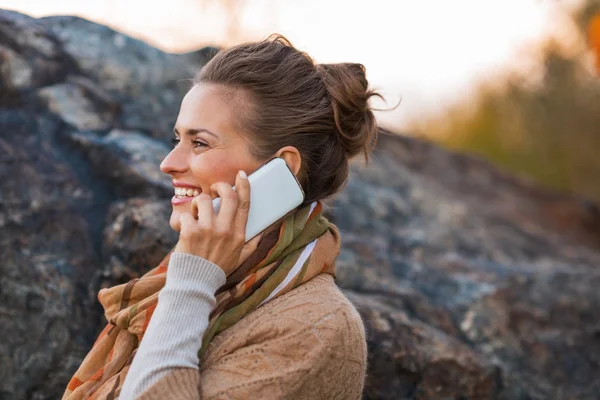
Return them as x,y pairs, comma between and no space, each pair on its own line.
472,284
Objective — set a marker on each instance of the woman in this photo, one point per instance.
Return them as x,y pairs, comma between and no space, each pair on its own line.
262,319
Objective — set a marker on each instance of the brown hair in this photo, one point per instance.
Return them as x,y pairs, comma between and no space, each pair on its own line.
284,99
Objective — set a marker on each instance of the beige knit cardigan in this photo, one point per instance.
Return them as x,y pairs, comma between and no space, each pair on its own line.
307,344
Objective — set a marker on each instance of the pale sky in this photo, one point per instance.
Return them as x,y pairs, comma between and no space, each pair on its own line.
426,52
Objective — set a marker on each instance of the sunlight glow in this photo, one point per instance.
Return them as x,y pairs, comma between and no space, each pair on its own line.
426,52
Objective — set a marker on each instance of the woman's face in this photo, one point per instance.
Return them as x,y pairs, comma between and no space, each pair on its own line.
209,149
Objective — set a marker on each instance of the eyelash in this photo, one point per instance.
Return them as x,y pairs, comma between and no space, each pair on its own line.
175,142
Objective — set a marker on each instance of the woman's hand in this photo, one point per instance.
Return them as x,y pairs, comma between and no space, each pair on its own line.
219,238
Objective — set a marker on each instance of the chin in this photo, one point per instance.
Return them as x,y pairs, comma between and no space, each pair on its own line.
174,221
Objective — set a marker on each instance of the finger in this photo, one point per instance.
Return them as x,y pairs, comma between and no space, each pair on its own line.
229,202
186,223
250,247
202,209
242,187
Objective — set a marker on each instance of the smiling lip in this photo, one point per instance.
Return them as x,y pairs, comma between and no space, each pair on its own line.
185,185
177,201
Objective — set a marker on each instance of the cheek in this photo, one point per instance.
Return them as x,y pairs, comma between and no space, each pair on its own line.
208,169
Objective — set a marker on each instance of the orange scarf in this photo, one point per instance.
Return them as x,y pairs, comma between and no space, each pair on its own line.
305,245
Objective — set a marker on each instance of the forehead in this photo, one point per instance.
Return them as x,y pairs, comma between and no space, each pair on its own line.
203,107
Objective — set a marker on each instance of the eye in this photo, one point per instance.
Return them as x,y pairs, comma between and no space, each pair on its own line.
197,143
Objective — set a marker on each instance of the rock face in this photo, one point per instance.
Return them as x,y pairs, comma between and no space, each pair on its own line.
472,284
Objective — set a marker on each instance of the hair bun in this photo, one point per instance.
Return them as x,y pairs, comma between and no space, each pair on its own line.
349,92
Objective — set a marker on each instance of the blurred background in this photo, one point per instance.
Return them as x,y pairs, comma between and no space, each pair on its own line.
515,81
472,284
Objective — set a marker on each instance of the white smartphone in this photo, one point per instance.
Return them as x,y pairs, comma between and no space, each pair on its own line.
274,191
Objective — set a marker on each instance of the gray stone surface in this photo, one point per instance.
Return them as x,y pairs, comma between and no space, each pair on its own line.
472,284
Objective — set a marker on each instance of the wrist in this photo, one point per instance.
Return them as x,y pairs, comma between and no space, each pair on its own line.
187,269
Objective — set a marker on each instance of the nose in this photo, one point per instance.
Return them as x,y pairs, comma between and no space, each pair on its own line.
175,162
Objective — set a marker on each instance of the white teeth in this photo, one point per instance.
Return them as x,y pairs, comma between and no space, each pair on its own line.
183,192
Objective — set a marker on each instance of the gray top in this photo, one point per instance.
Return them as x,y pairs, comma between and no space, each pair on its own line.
174,334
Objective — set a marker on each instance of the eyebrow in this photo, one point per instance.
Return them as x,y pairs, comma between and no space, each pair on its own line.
194,132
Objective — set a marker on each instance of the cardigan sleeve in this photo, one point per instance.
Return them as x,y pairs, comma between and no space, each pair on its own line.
175,331
307,347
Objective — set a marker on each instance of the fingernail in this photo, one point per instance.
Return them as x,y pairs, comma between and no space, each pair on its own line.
243,174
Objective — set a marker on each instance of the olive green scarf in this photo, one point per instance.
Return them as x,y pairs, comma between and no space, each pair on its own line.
305,245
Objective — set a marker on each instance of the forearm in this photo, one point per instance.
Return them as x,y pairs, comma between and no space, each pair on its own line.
174,334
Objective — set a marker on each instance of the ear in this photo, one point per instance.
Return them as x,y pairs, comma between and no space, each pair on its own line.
292,158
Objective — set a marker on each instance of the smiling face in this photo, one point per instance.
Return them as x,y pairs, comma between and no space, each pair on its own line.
210,149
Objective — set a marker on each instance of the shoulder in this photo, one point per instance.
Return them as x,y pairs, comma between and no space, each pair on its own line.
316,301
318,307
309,338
